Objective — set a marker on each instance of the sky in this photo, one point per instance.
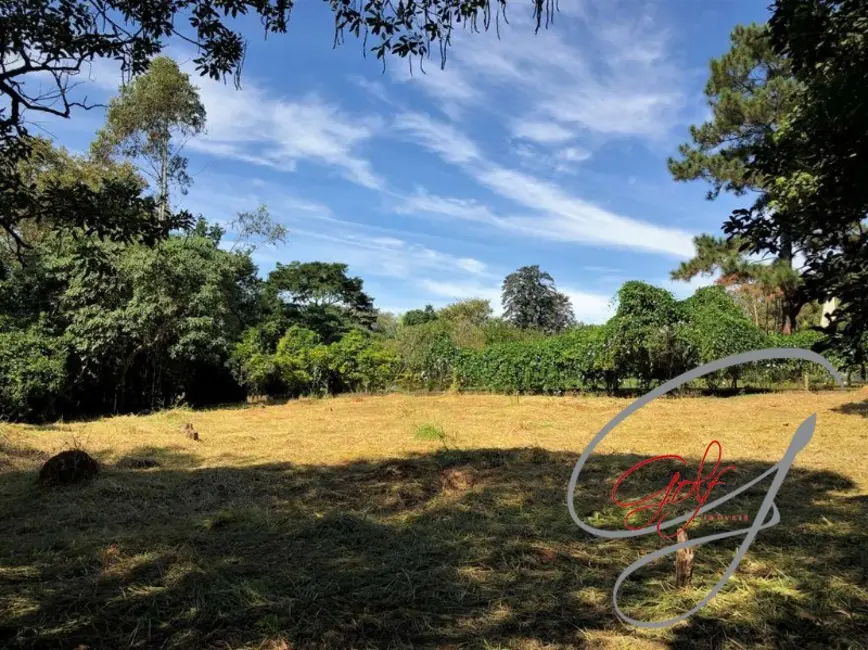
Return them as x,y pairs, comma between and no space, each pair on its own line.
546,148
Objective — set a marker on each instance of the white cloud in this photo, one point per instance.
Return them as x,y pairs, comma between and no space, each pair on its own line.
573,154
462,290
386,256
255,126
603,70
449,85
471,265
543,132
569,218
424,202
437,136
589,308
556,215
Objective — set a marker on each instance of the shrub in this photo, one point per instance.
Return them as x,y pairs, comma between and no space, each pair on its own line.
717,328
645,340
431,432
33,374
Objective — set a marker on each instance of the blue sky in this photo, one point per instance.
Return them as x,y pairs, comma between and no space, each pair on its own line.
544,149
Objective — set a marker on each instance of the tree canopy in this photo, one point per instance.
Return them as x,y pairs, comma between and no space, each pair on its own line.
751,89
150,120
814,165
322,295
530,300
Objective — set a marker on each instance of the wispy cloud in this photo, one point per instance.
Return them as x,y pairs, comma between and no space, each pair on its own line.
255,126
543,132
554,214
439,137
600,70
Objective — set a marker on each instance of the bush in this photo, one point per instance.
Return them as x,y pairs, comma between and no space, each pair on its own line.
302,361
786,370
716,328
575,360
427,355
33,374
253,367
645,337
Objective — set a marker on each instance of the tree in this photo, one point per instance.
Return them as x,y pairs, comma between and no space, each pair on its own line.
773,284
419,316
531,301
49,190
750,91
815,162
474,311
386,324
259,224
321,297
151,120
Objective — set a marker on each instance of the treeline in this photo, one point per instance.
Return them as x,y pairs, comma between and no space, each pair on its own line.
91,326
651,338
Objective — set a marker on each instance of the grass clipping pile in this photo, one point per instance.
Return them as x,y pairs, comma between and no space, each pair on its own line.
68,467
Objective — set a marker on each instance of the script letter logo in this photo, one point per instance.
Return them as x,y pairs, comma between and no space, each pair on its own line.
799,440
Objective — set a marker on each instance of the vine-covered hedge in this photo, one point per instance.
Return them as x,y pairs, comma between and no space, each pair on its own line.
651,338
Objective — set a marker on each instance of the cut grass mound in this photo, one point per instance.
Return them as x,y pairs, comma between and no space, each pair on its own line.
67,467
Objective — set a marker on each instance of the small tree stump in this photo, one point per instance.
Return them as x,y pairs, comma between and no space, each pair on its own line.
683,562
190,432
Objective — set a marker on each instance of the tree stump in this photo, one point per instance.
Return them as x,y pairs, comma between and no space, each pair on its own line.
683,562
190,432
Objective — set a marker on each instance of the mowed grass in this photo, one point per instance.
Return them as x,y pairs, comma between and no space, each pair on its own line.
331,524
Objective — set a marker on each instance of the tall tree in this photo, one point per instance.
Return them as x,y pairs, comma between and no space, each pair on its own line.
775,286
750,90
531,301
150,121
320,296
816,162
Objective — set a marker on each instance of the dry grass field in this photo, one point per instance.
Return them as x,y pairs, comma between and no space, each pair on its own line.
328,524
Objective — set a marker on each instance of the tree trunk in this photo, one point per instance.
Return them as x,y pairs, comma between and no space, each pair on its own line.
788,314
164,177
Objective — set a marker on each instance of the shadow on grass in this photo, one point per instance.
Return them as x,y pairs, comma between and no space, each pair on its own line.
386,555
854,408
171,457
